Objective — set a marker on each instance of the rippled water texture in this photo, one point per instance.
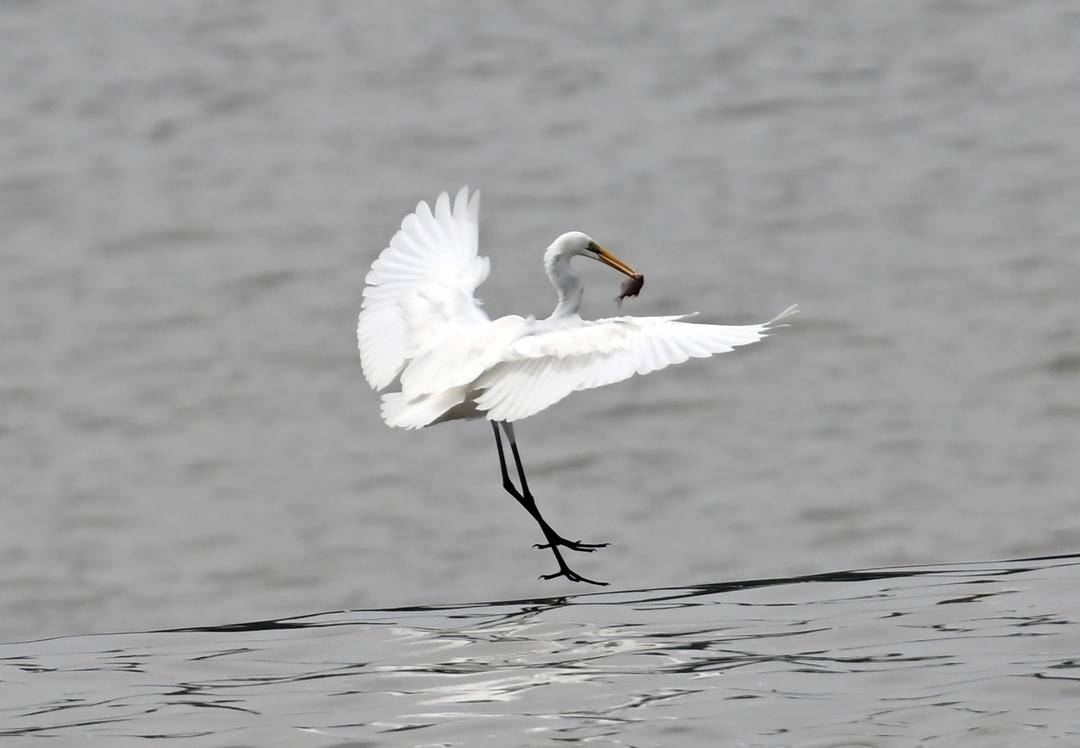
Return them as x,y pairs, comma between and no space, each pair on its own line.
975,654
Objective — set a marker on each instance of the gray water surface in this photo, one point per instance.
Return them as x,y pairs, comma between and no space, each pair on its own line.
191,194
964,655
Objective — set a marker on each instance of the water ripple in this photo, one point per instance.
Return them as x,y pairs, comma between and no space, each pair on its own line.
944,654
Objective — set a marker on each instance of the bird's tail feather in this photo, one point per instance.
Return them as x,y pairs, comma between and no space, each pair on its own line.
403,412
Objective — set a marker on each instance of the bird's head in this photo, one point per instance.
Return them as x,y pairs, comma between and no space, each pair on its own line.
574,243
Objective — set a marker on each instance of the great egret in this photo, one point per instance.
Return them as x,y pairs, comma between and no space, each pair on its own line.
421,323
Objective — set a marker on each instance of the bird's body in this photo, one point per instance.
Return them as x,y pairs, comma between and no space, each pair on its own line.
420,320
422,325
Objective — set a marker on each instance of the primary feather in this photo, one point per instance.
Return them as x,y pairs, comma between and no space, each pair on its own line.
421,285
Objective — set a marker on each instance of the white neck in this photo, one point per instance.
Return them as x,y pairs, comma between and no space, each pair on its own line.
567,284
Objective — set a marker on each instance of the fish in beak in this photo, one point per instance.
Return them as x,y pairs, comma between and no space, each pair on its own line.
635,280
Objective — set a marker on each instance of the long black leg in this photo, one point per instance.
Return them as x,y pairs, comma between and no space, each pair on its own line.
574,545
529,504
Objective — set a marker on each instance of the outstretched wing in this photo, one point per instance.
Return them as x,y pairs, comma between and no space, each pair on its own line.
421,283
539,370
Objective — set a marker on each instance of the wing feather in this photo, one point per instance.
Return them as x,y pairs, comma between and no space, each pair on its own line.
543,368
421,285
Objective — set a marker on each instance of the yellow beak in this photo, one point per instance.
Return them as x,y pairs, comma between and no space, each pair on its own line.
612,261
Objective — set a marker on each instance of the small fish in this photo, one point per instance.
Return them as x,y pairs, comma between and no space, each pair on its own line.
630,287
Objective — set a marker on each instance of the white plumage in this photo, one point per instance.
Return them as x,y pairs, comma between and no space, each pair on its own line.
421,286
421,324
421,320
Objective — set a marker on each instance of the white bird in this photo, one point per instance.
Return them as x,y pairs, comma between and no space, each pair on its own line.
421,324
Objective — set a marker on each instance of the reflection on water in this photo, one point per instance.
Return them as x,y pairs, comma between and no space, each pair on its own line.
977,654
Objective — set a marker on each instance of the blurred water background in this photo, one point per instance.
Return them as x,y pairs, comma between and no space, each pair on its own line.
191,194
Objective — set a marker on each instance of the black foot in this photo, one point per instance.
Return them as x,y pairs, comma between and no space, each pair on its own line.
573,576
574,545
